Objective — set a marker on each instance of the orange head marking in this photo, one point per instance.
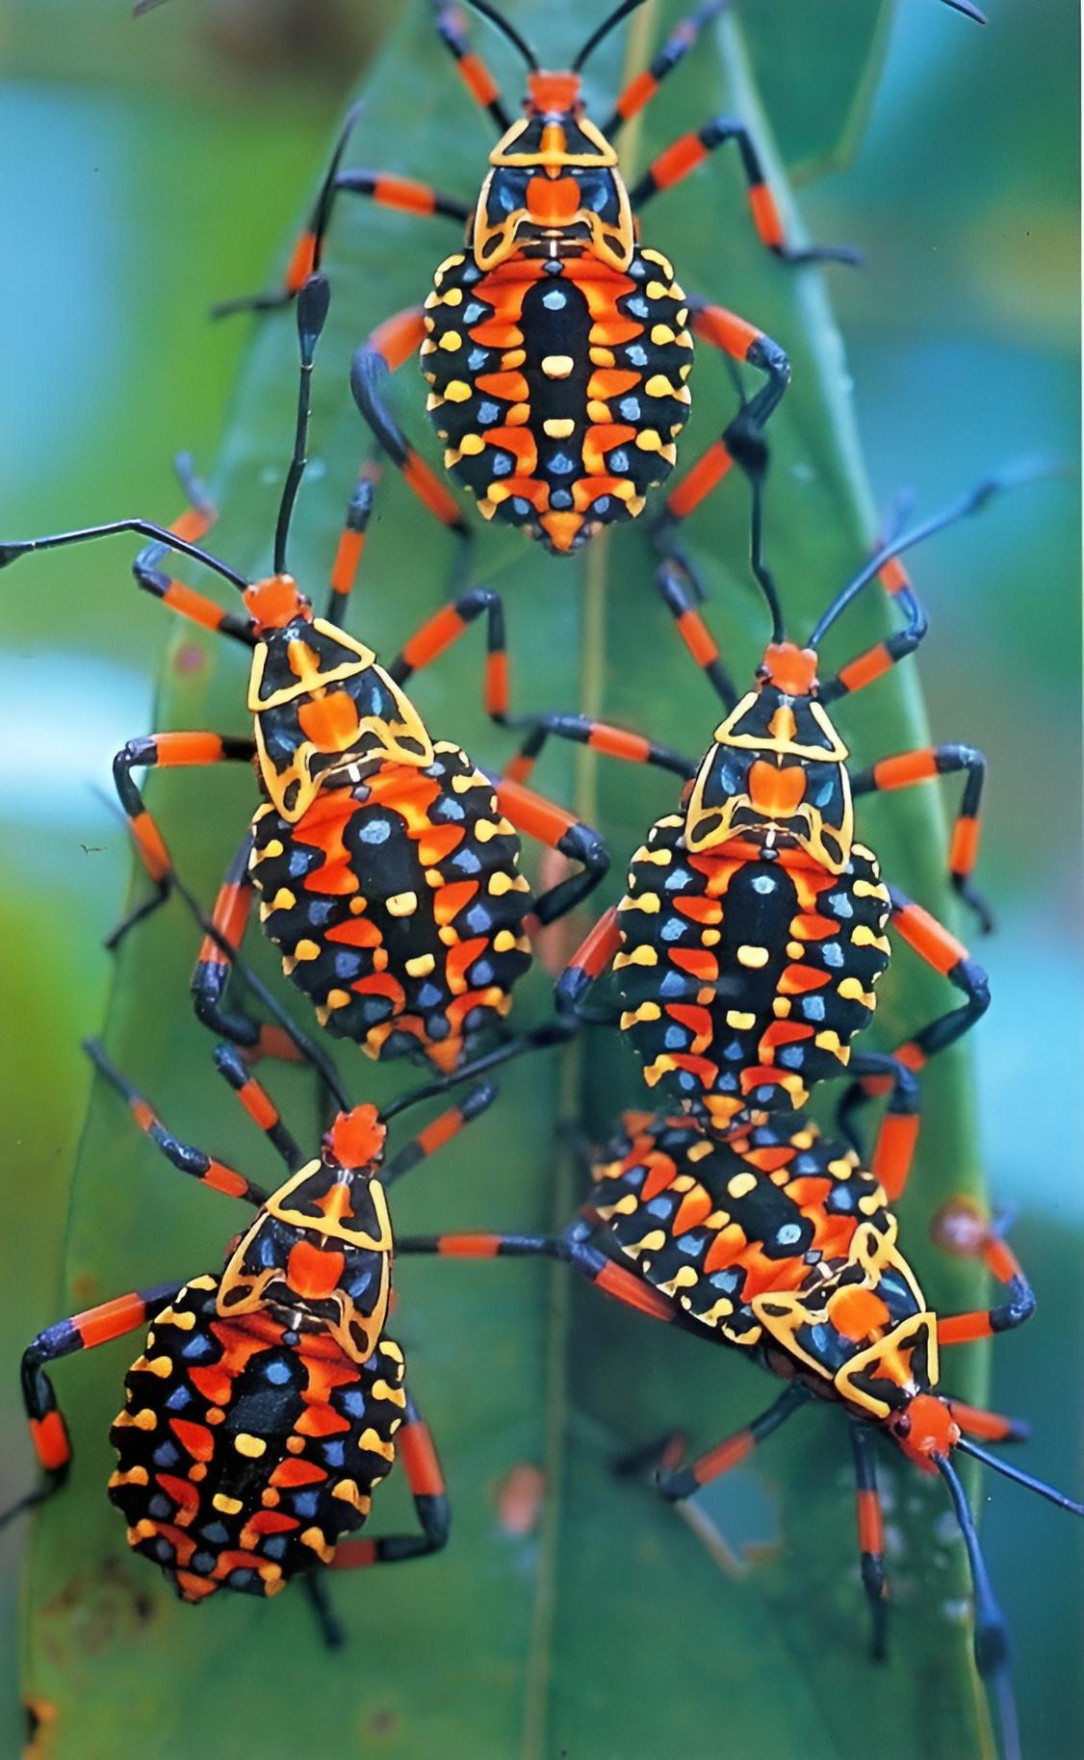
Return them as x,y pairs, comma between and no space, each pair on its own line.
275,602
552,94
356,1139
925,1428
791,669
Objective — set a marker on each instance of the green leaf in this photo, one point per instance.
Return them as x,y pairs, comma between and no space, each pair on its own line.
608,1630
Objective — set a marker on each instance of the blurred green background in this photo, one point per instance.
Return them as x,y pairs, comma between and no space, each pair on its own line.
151,169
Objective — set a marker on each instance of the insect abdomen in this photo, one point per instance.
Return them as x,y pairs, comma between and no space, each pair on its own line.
398,906
558,386
243,1460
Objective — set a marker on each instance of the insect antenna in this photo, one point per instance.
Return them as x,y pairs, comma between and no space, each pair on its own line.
312,306
608,24
1012,477
764,577
507,30
1050,1492
991,1632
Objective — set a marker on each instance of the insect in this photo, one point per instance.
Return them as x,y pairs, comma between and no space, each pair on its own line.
268,1402
746,950
557,347
386,863
780,1244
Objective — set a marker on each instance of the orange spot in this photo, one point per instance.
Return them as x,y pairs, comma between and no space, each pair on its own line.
331,722
553,201
694,1208
194,1588
562,529
195,1439
797,980
312,1273
932,1431
293,1472
520,1496
776,791
857,1313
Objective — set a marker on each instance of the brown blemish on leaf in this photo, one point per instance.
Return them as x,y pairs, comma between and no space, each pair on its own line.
520,1496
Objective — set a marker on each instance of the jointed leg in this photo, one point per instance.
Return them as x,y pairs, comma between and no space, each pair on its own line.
259,1105
591,959
945,954
894,1145
679,591
962,1228
537,817
414,1446
871,1545
439,1131
676,1483
571,1248
601,736
382,353
192,526
97,1325
473,71
988,1426
642,88
908,768
690,150
874,662
165,751
184,1156
741,441
403,193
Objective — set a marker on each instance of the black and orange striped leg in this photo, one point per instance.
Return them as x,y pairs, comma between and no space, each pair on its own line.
259,1105
679,590
405,194
874,662
600,736
908,768
414,1447
676,1483
689,151
571,1248
591,959
894,1145
961,1227
82,1332
473,71
446,626
945,954
382,353
742,440
642,88
164,751
184,1156
214,964
551,825
871,1542
344,569
439,1131
197,519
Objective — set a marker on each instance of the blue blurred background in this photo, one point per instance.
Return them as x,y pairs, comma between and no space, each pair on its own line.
151,169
